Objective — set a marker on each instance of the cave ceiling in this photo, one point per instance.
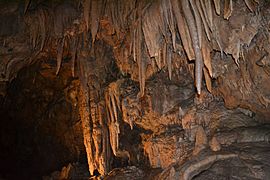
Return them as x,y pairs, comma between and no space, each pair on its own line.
126,54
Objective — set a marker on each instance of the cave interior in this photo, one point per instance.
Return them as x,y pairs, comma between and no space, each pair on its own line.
135,89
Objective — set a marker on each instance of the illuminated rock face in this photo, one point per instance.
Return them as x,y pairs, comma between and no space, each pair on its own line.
161,89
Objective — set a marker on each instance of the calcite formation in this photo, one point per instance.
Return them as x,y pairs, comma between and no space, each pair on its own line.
163,89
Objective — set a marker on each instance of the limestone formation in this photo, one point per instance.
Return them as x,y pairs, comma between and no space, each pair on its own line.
146,89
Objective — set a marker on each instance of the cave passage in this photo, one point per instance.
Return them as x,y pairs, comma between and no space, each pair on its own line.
40,128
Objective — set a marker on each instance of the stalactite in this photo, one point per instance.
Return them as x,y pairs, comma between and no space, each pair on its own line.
26,5
112,14
195,42
63,17
152,34
42,19
85,111
206,27
158,17
105,155
34,35
74,44
125,115
217,6
140,60
86,12
208,80
197,21
206,53
172,26
216,36
98,131
159,59
96,12
167,11
60,47
113,105
169,61
228,8
209,11
115,11
85,117
93,109
37,22
123,13
57,25
162,19
251,5
134,45
31,20
183,30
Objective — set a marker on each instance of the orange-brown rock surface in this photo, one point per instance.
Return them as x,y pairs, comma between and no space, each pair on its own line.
114,89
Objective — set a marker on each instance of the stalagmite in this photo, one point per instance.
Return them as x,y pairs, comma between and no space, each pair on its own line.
195,42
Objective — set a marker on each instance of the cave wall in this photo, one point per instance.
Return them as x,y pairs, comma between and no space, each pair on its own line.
159,69
40,125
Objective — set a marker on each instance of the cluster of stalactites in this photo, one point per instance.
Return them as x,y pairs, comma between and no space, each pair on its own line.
158,25
95,132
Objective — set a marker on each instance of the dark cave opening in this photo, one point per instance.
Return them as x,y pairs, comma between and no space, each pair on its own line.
40,128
